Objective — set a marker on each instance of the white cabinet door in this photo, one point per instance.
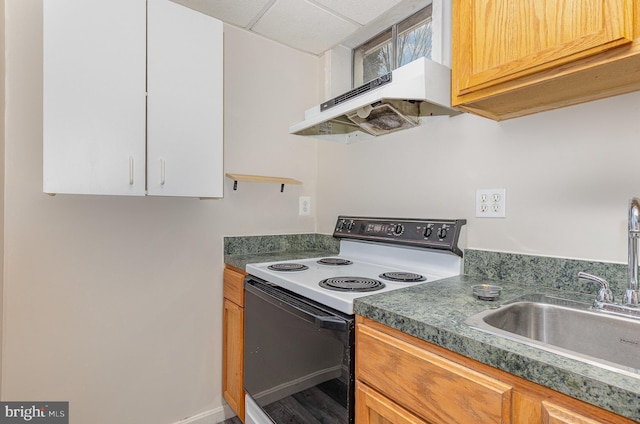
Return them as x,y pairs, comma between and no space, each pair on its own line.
184,106
94,96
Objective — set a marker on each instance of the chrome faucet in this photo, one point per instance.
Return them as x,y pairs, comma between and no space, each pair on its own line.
605,295
630,305
631,294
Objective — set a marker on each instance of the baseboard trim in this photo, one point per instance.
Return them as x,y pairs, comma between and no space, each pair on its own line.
212,416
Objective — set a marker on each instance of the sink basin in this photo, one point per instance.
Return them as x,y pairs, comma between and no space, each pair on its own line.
568,328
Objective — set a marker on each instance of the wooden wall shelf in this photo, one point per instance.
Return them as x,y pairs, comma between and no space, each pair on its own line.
261,179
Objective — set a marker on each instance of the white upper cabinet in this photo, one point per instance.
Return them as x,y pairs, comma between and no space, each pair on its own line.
184,106
94,96
132,99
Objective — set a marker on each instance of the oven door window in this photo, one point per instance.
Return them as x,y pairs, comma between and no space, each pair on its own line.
298,357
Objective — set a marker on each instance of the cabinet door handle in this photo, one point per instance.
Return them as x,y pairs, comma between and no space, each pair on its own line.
130,170
161,171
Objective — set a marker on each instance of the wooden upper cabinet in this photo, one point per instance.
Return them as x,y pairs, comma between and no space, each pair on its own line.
508,39
502,46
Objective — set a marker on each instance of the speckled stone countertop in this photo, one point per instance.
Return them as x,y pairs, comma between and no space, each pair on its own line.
243,250
435,312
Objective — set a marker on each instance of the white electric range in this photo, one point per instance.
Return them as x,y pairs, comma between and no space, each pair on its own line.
361,268
376,255
299,320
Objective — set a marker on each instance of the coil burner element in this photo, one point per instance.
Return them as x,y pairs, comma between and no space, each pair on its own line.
334,261
288,266
403,277
351,284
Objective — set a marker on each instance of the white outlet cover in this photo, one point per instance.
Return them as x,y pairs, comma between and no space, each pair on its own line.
491,203
304,205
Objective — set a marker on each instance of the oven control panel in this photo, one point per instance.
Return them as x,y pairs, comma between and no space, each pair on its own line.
442,234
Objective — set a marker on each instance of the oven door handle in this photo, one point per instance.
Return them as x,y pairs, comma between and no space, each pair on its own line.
300,309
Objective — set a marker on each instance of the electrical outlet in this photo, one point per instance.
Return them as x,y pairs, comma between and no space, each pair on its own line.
304,205
491,203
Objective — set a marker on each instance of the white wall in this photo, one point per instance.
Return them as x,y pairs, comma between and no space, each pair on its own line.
568,173
115,303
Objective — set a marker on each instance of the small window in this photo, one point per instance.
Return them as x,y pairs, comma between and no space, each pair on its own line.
404,42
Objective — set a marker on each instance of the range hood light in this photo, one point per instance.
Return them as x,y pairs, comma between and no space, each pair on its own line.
364,111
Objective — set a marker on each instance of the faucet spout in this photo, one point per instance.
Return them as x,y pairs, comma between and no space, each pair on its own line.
631,294
605,295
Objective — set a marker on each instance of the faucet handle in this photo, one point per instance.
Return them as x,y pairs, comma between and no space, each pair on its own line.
630,298
604,294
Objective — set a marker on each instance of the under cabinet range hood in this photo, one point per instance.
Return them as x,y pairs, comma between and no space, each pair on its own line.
401,99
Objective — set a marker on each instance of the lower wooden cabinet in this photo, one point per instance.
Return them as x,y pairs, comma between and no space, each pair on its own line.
401,379
435,388
233,340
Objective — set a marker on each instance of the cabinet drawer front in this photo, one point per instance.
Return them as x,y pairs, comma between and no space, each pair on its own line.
373,408
496,41
234,286
554,414
430,386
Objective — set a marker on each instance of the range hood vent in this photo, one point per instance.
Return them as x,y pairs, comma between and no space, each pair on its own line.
371,85
402,99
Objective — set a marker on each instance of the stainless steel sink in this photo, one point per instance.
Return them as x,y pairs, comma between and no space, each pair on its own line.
568,328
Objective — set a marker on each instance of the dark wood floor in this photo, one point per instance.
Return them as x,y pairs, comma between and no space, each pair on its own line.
312,406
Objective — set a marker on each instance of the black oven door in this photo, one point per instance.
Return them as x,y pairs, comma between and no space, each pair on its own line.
298,356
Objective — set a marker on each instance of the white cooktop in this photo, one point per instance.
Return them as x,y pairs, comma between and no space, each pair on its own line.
369,261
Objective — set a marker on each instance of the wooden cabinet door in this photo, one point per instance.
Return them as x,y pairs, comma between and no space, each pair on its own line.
438,390
495,41
373,408
233,340
184,110
233,357
94,96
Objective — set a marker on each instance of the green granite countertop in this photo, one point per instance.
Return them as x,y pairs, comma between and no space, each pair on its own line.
435,312
241,260
242,250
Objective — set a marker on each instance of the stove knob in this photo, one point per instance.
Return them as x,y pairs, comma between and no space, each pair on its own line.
340,225
398,230
350,225
442,232
427,232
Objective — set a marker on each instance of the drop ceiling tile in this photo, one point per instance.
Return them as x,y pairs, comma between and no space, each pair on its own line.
236,12
361,11
303,25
